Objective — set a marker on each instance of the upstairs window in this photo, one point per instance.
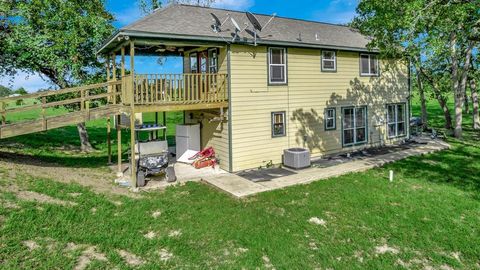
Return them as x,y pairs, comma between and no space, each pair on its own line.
278,124
396,115
330,119
368,65
277,66
213,60
329,61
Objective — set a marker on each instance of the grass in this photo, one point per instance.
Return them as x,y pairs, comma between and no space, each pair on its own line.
428,217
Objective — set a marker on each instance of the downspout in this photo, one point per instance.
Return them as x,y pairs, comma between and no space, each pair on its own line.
409,97
229,78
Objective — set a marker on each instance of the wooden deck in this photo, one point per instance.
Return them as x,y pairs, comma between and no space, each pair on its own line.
147,92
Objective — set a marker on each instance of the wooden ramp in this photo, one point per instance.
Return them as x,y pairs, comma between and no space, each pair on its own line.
53,122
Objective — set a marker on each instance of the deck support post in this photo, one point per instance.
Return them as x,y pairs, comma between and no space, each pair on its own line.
119,128
133,169
109,140
110,100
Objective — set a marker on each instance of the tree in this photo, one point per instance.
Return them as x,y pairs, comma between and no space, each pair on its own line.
21,91
437,36
55,38
5,91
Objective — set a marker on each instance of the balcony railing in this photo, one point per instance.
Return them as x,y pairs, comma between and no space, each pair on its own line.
188,88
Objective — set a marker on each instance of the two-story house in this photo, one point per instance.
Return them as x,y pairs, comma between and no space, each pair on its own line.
296,84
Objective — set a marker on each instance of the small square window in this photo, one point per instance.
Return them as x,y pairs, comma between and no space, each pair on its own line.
329,61
330,119
278,124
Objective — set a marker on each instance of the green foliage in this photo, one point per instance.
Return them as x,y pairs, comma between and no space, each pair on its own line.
5,91
21,91
56,38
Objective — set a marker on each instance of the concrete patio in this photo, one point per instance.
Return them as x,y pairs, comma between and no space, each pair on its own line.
240,187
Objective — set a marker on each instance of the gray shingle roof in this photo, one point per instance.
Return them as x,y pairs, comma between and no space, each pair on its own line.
185,21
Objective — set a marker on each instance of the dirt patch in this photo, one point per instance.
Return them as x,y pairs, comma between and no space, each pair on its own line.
415,263
175,233
100,181
267,263
9,204
386,249
32,196
156,214
88,255
130,259
164,255
31,245
150,235
358,255
75,194
317,221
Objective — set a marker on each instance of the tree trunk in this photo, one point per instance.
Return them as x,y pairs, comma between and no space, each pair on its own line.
446,112
458,95
466,102
423,101
475,112
84,141
442,101
82,129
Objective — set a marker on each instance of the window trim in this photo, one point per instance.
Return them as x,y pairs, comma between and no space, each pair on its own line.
269,56
334,118
334,61
272,123
355,128
396,119
369,67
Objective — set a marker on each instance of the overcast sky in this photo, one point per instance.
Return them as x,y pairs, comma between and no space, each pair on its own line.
125,12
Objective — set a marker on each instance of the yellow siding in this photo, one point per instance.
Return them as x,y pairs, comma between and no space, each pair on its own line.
308,93
213,133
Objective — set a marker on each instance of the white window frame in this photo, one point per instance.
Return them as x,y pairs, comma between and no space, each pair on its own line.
354,128
334,118
370,56
334,60
284,123
284,65
394,120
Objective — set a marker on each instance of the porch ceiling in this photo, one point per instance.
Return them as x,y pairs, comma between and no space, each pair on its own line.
151,46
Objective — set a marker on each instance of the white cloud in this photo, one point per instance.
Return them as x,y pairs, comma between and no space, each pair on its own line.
234,4
31,82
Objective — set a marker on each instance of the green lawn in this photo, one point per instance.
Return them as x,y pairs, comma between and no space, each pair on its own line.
428,217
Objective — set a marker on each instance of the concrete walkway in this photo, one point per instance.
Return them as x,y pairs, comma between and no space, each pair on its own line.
240,187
